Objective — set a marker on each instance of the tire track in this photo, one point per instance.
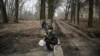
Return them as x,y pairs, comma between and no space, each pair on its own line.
71,48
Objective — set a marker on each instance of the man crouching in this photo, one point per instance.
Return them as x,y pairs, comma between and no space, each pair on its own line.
50,39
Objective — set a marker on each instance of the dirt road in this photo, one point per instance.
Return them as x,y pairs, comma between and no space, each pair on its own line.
75,42
23,40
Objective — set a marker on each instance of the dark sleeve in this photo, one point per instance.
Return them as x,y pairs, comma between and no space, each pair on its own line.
54,39
45,38
53,36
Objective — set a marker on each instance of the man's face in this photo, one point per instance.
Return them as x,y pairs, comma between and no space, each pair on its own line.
50,30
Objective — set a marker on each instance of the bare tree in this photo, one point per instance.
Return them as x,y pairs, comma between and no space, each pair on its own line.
3,11
99,8
16,10
42,10
21,6
90,18
52,5
67,9
50,11
72,10
78,11
10,7
66,13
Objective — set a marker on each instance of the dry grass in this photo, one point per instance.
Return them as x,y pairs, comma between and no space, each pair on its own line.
22,25
19,37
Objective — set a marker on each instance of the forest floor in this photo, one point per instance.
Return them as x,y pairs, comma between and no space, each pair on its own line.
77,43
21,39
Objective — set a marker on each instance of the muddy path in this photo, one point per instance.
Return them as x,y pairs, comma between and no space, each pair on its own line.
75,42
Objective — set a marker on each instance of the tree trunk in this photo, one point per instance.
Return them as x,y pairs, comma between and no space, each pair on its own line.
43,13
74,9
71,10
71,16
42,10
50,12
99,9
3,11
66,16
66,12
90,18
78,11
16,10
97,4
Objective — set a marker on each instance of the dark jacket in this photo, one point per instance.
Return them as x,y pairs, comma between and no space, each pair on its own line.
51,38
